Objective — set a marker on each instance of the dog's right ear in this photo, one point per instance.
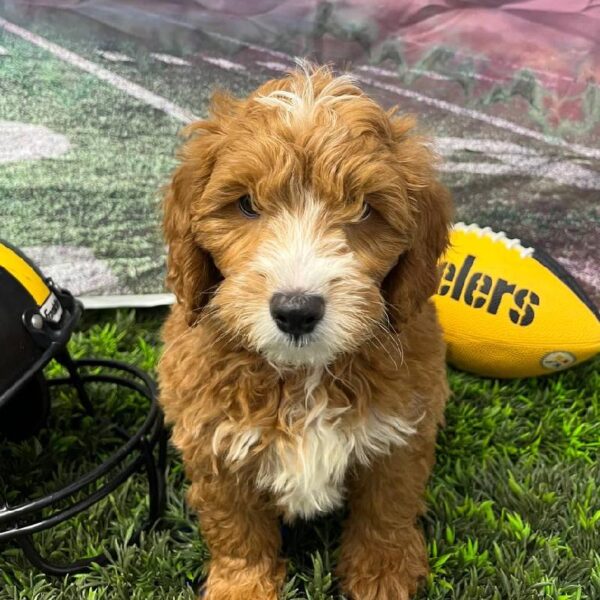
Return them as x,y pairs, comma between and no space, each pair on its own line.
191,272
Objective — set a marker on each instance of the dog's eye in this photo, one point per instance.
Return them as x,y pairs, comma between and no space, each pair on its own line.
366,212
245,204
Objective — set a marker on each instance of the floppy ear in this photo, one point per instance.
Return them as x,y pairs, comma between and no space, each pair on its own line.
191,272
416,275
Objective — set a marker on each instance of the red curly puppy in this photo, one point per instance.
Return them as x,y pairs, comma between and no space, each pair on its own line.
303,363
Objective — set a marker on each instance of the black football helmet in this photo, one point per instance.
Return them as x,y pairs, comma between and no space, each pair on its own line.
36,321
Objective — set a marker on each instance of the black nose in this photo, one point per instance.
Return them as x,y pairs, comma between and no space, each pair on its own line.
297,314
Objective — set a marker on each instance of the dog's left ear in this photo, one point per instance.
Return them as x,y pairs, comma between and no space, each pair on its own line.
416,275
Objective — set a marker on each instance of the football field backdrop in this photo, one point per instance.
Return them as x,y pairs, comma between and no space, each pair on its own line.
92,96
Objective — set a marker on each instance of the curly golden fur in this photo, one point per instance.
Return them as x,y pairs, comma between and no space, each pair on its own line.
346,205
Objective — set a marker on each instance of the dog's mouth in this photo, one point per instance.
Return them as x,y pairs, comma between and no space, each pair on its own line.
300,341
300,344
288,350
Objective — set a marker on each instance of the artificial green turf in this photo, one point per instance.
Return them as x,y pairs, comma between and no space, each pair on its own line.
514,503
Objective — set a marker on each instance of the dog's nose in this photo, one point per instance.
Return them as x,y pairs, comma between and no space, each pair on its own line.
297,314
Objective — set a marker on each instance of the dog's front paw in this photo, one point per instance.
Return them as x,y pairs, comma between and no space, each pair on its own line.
241,591
256,582
379,586
378,574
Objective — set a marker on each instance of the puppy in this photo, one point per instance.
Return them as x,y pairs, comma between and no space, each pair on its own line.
303,363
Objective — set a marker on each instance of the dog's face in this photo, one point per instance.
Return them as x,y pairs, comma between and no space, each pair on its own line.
301,216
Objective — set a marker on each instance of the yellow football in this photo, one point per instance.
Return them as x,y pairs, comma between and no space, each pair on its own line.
511,311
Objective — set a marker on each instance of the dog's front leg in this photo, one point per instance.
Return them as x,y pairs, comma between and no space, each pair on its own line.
243,536
383,553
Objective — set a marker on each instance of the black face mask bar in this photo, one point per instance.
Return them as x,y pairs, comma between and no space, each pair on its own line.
144,450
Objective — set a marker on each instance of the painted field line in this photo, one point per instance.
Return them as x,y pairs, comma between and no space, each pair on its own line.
121,83
169,59
222,63
114,56
274,66
476,115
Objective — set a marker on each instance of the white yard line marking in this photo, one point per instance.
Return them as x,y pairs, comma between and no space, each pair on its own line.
498,122
223,63
274,66
169,59
114,56
430,74
121,83
25,141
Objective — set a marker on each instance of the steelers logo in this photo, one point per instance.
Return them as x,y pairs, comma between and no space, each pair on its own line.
558,360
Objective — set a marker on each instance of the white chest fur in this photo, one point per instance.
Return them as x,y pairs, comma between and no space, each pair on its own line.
306,473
